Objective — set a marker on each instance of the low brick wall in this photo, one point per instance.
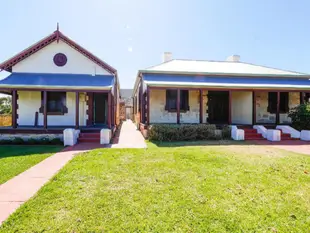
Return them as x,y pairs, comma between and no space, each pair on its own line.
5,120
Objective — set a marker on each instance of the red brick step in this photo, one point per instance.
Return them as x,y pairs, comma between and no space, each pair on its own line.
89,138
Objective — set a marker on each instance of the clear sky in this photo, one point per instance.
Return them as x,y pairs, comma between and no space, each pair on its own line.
133,34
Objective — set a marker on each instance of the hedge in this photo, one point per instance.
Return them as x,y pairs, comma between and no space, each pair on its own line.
186,132
31,141
300,116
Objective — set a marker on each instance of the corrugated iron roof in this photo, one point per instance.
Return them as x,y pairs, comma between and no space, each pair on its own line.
217,68
226,82
70,81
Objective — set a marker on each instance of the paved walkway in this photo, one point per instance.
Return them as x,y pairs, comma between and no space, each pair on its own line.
130,137
21,188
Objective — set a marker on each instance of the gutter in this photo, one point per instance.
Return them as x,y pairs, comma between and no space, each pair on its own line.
54,87
223,74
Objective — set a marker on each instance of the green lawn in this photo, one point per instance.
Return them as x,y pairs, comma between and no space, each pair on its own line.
16,159
239,188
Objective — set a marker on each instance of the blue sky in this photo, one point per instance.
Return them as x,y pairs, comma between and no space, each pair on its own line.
133,34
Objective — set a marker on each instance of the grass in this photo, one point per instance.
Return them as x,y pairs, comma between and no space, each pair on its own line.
228,188
16,159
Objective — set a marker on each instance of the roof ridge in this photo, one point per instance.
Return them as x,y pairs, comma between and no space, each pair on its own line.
269,67
150,67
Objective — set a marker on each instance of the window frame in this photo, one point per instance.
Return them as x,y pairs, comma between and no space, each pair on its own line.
64,108
272,102
171,95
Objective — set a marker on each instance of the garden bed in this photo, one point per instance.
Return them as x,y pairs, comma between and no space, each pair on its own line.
187,132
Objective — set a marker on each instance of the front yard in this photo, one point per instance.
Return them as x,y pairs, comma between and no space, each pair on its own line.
238,188
16,159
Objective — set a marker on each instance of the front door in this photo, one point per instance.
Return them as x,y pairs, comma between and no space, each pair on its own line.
100,108
218,107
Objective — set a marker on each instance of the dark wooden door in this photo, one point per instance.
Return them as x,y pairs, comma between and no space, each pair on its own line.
100,100
218,107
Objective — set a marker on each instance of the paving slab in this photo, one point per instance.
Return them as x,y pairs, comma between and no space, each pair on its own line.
129,137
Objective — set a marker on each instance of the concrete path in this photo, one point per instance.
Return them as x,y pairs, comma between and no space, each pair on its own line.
21,188
130,137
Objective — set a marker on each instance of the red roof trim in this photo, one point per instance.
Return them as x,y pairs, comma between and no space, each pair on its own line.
7,65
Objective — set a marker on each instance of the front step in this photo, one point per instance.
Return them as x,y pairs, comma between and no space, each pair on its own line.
89,135
251,134
89,138
286,136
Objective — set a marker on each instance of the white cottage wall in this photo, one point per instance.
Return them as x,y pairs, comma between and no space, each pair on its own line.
241,107
158,114
29,103
42,62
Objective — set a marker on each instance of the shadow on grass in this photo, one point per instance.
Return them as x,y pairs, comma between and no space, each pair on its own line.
195,143
225,143
22,150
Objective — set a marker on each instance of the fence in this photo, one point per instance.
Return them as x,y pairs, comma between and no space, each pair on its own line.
5,120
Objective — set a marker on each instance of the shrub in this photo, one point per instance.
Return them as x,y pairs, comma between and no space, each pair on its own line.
44,141
31,141
56,141
5,142
186,132
226,132
18,141
300,116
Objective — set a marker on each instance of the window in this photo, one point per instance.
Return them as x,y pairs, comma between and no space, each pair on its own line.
56,103
307,97
171,100
272,102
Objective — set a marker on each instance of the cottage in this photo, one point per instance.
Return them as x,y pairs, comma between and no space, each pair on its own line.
57,84
227,92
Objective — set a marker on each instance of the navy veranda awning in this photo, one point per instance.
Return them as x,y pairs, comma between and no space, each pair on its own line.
53,81
166,80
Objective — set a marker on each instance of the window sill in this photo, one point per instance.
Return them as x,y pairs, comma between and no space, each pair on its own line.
279,112
55,114
181,111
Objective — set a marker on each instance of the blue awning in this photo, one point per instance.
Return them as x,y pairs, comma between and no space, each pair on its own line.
163,80
65,81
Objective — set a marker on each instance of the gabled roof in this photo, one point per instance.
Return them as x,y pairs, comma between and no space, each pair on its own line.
56,36
217,68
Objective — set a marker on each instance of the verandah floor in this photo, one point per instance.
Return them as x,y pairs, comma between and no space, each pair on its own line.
50,129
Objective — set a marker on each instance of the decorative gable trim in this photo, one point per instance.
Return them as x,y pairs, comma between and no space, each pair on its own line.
56,36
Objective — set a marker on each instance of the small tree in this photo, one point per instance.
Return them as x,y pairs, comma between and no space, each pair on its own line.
5,105
300,116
